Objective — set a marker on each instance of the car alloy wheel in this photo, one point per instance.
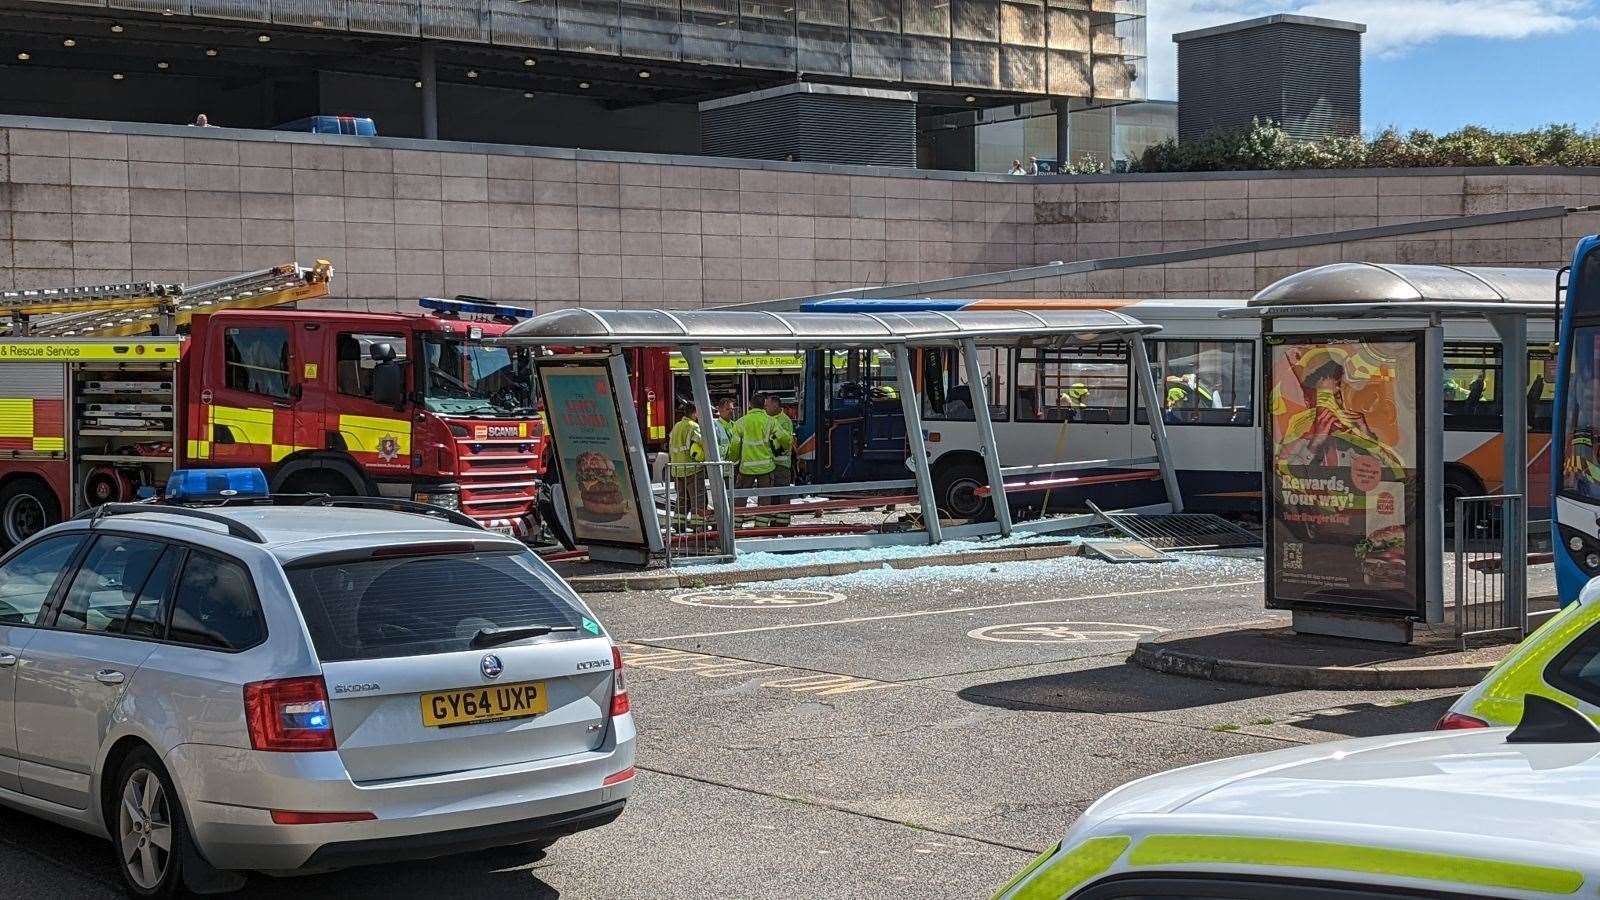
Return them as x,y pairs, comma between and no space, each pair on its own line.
144,829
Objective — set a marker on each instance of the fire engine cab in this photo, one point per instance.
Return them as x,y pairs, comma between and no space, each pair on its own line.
341,403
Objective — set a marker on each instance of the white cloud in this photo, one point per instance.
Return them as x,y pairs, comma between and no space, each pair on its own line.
1393,26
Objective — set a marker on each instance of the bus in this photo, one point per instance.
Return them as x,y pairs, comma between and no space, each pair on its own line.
1576,482
1051,404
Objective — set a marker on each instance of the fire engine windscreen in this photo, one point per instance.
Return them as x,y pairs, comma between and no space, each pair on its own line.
465,378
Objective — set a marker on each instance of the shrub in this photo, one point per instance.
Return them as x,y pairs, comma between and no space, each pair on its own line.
1266,146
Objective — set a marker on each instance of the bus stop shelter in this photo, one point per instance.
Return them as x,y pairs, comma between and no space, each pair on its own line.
694,332
1364,298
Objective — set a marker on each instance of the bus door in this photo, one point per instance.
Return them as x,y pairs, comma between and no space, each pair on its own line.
1206,391
860,430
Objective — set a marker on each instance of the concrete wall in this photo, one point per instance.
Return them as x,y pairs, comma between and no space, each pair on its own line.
96,202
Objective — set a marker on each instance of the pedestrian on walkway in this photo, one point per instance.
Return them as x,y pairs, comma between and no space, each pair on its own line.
1016,168
201,121
686,452
780,434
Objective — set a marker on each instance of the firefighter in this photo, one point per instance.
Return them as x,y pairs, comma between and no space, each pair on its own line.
780,435
686,452
751,449
1074,397
1186,392
724,425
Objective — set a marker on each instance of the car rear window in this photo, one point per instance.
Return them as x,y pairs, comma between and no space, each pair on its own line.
416,605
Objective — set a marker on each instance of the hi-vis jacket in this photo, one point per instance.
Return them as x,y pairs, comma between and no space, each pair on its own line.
685,448
752,443
781,436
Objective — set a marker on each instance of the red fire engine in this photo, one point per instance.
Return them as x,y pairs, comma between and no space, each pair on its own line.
413,406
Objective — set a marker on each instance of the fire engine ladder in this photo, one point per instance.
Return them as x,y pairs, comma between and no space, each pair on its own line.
147,307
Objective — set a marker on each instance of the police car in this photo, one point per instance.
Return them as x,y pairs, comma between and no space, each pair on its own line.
1561,660
1443,814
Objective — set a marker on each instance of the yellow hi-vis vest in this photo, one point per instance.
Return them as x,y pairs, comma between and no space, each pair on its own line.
751,447
781,435
685,449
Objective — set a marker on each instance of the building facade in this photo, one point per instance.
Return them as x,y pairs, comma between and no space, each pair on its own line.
601,74
1301,72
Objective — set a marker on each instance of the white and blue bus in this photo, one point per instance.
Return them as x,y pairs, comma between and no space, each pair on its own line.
1052,404
1577,420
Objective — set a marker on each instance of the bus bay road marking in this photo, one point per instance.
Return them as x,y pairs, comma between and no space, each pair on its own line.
757,599
812,684
1062,632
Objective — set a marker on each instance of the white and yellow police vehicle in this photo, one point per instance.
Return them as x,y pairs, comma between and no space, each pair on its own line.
1560,661
1445,814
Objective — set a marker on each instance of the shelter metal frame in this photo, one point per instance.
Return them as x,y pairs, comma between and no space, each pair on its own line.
693,332
1429,294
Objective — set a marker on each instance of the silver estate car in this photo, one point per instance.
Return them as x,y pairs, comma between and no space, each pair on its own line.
296,689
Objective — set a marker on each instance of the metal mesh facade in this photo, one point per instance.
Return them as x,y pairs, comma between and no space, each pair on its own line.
1304,74
1079,48
849,126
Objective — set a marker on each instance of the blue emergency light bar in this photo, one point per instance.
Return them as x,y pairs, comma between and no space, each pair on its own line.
475,306
194,485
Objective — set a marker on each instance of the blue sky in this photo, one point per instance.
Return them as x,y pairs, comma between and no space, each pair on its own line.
1436,64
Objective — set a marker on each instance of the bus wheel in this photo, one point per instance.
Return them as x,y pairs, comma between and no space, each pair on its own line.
956,491
27,507
1458,483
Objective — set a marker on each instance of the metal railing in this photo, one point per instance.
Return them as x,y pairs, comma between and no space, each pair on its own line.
690,525
1489,561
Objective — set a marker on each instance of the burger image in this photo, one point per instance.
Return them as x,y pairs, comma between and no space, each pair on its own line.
599,491
1382,554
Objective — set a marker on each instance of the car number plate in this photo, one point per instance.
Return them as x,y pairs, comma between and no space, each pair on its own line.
506,530
471,706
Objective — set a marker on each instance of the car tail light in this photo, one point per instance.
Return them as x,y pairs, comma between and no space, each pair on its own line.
619,687
619,777
292,817
289,715
1454,720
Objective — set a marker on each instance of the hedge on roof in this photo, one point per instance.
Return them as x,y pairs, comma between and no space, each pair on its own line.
1266,146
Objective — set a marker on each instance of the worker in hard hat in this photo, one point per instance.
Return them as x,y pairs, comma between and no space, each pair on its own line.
1074,397
1186,392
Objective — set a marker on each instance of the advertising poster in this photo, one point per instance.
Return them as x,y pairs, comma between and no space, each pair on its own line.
1344,478
595,472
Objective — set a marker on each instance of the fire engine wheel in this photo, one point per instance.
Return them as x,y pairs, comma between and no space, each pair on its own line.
315,482
26,508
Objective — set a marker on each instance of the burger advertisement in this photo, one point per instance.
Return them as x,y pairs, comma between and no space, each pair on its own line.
593,456
1343,481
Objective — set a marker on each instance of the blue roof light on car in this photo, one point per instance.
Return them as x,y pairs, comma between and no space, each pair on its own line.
199,485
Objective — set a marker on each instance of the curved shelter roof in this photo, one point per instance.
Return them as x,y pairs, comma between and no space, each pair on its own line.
1376,289
735,329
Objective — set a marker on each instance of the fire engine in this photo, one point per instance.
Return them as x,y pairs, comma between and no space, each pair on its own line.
649,368
101,399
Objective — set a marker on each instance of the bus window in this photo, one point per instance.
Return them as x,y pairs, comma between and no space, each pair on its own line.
856,375
1541,389
1471,387
1580,467
947,386
1203,382
1078,384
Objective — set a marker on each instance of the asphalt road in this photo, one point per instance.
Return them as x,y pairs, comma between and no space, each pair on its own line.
888,734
